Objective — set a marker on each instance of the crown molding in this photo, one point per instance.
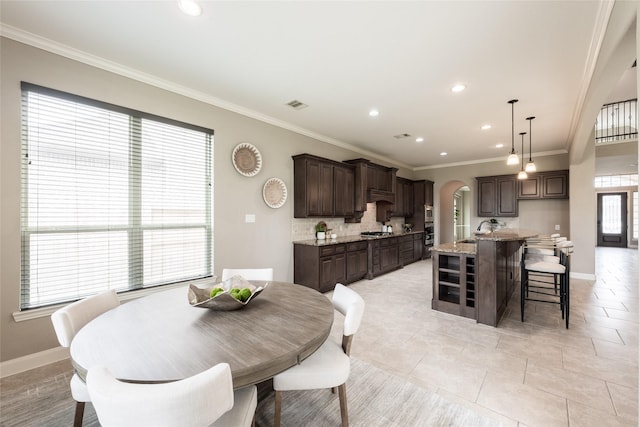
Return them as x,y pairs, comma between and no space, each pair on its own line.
488,160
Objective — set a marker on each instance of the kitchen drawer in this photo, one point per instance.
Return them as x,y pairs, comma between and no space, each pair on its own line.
332,250
356,246
389,241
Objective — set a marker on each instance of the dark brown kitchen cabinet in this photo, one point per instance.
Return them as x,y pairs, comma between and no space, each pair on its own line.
410,248
383,256
544,185
404,198
497,196
322,188
529,188
428,193
343,179
418,246
454,284
555,185
356,261
319,267
333,269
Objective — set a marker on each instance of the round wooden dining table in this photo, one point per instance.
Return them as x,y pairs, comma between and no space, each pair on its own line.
161,337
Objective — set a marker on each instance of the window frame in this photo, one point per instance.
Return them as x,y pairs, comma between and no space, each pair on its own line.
135,118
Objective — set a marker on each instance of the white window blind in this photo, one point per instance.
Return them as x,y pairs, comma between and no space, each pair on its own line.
112,198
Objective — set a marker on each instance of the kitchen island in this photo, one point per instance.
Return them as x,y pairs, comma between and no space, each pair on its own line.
475,278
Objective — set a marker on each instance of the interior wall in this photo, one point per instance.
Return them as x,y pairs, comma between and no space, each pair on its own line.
264,243
618,50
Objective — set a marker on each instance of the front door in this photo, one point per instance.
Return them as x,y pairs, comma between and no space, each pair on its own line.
612,219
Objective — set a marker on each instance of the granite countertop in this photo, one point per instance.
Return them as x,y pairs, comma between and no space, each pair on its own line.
350,239
507,234
455,248
468,246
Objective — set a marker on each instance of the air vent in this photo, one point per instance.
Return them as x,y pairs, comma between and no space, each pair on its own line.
401,136
297,105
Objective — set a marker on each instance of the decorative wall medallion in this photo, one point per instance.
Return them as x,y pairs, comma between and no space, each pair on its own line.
246,159
274,193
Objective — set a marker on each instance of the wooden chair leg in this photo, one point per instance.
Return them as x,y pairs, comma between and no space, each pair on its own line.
342,392
277,409
77,420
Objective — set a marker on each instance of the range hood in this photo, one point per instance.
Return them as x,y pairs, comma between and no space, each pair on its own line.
374,195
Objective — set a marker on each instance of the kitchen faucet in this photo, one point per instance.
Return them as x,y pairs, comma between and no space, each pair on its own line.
482,222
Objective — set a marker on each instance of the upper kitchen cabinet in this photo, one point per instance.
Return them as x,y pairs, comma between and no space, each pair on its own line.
373,183
404,205
545,185
428,192
322,187
497,196
555,184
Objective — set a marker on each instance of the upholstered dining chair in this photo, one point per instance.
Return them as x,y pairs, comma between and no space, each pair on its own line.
205,399
67,321
248,273
329,365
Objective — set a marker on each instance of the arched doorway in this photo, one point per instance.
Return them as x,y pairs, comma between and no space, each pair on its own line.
454,211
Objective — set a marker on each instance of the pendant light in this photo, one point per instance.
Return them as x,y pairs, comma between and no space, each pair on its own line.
522,174
531,167
513,157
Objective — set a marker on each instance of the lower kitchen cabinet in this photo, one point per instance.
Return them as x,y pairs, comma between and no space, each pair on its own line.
356,261
321,267
411,247
383,256
454,284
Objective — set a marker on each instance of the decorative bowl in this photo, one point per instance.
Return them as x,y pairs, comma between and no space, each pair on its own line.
201,297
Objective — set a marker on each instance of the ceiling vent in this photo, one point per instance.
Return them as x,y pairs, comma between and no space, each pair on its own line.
297,105
401,136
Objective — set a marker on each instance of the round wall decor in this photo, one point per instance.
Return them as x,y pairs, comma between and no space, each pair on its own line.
274,193
246,159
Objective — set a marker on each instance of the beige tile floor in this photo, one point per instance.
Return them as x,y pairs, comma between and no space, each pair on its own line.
535,373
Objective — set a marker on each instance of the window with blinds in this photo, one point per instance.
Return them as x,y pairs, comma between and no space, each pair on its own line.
112,198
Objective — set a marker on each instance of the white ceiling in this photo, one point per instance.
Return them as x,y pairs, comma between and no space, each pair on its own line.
344,58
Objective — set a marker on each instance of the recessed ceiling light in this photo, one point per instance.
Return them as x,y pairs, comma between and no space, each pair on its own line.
444,153
190,7
374,113
499,145
486,127
458,88
419,139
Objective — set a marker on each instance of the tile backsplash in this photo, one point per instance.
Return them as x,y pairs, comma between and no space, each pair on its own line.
304,228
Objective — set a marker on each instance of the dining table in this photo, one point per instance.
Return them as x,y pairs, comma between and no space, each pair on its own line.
163,338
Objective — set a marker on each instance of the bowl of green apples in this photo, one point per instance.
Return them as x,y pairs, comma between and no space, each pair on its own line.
232,294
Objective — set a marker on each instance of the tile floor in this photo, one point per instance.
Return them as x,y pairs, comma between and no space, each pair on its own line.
535,373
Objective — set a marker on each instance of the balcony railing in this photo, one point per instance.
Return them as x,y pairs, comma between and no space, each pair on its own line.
617,122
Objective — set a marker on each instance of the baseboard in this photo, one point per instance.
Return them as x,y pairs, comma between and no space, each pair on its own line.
583,276
31,361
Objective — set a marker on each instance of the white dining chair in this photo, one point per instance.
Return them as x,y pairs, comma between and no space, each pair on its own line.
67,321
329,365
205,399
248,273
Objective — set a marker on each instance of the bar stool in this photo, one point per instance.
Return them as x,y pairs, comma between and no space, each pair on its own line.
542,258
